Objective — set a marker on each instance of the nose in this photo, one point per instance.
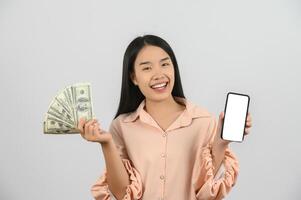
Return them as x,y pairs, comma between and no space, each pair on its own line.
158,75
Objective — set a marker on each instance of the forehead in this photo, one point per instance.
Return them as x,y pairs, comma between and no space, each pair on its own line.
151,53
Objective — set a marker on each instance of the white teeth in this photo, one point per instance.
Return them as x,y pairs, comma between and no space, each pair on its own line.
159,85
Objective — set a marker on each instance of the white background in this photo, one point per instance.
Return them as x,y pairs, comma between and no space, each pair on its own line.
250,47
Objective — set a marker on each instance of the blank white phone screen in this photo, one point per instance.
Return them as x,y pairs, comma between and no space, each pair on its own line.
235,117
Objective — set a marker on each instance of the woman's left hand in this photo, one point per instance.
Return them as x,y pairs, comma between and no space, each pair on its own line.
218,140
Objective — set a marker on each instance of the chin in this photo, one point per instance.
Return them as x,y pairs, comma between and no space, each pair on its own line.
159,97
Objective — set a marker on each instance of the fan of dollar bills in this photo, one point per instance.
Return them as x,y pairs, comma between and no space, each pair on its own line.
65,110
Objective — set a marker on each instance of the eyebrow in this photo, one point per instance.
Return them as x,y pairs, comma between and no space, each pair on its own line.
147,62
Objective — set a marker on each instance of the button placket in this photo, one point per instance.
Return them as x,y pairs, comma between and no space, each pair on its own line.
162,176
163,157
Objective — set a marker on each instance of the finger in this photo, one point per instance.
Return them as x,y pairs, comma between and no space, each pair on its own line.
97,124
249,118
100,130
249,124
221,115
81,124
96,130
247,131
87,125
94,121
91,127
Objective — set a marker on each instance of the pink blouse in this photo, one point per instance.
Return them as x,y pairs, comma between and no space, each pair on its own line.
175,164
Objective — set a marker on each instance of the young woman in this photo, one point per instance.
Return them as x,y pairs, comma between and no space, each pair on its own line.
160,145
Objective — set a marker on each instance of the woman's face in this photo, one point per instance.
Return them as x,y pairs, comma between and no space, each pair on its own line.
152,66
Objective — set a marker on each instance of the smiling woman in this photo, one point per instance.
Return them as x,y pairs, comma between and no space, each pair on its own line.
153,69
159,144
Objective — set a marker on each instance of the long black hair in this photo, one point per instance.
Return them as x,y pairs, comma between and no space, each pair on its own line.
131,95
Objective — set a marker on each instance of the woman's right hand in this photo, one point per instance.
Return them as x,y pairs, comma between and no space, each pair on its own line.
91,131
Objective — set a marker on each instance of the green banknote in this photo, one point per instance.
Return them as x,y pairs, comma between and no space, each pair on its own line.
66,109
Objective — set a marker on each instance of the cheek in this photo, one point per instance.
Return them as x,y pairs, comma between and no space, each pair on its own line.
171,75
172,80
143,82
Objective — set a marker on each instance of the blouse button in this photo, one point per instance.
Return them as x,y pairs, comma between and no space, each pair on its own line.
162,177
163,155
164,135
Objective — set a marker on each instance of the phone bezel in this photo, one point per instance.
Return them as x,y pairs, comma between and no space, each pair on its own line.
235,93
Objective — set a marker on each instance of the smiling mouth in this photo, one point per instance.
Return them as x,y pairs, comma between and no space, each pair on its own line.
160,86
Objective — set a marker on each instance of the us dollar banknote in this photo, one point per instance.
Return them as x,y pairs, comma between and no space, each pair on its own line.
66,109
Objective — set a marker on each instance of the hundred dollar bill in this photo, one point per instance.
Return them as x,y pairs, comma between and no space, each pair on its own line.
69,99
67,107
59,111
82,101
53,125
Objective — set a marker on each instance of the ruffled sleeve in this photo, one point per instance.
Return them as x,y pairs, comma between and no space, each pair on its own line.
100,189
208,186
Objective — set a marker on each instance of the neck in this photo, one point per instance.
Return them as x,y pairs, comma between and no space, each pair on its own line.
163,107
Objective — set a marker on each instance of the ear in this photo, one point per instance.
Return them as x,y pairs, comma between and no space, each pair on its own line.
133,78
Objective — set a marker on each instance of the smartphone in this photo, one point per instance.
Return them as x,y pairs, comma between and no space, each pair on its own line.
235,117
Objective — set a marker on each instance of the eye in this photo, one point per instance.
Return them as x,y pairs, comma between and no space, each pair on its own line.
146,68
165,64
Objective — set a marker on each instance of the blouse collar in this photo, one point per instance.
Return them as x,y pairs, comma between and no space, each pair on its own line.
191,111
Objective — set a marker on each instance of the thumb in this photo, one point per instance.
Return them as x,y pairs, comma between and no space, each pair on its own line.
221,116
220,121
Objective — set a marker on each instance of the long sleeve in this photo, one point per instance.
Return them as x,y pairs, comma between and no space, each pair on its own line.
100,189
206,185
